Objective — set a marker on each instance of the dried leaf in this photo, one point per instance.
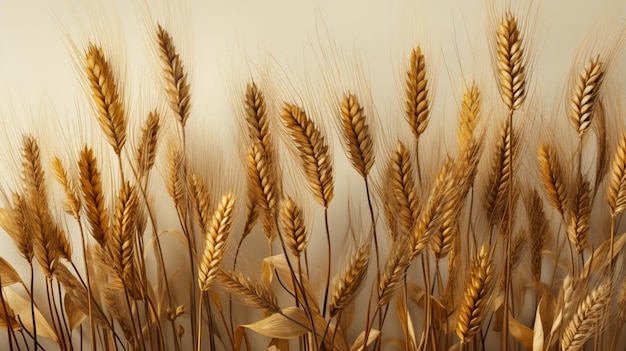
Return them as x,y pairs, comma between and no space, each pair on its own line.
279,264
8,274
74,315
358,343
600,257
22,308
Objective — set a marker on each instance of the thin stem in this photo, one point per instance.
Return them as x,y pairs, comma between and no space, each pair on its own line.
32,304
328,263
10,331
374,235
507,268
199,332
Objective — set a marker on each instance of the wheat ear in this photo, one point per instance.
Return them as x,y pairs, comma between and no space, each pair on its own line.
500,175
347,284
121,243
553,178
106,95
176,177
477,294
403,186
200,200
18,224
616,190
294,229
313,151
585,95
216,240
417,107
510,62
579,217
261,178
469,115
539,232
91,187
176,85
587,318
145,155
356,134
71,203
253,293
394,271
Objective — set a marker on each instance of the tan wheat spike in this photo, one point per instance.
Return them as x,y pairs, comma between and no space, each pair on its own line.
403,186
121,243
539,228
347,283
71,203
252,212
146,151
469,115
200,201
176,85
587,319
294,230
553,178
616,190
477,295
106,95
585,95
46,234
176,177
258,122
253,293
216,240
510,62
621,301
417,106
261,178
313,151
500,174
394,271
91,187
356,134
579,217
17,223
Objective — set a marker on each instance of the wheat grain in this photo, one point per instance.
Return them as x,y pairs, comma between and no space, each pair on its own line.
417,106
511,70
176,85
216,240
585,95
313,151
356,134
347,284
476,298
106,95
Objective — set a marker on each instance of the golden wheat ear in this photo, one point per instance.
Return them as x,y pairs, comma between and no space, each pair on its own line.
511,70
585,95
616,190
403,186
347,284
417,106
176,85
106,95
253,293
91,187
356,134
294,229
145,155
469,115
553,178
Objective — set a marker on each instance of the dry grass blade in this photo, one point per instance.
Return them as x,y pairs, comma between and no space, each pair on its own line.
616,190
500,175
216,240
587,319
585,95
294,230
477,294
71,203
510,62
553,178
121,243
313,151
200,202
146,151
417,106
539,228
91,187
469,115
579,217
253,293
106,95
176,85
356,134
261,178
403,186
347,284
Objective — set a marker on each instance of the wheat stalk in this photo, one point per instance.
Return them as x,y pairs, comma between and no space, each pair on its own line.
176,85
511,70
216,239
585,95
477,294
356,134
313,151
106,95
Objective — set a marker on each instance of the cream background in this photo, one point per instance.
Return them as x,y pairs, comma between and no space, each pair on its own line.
223,42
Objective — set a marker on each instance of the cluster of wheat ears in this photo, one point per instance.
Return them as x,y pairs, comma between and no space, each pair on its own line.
445,256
